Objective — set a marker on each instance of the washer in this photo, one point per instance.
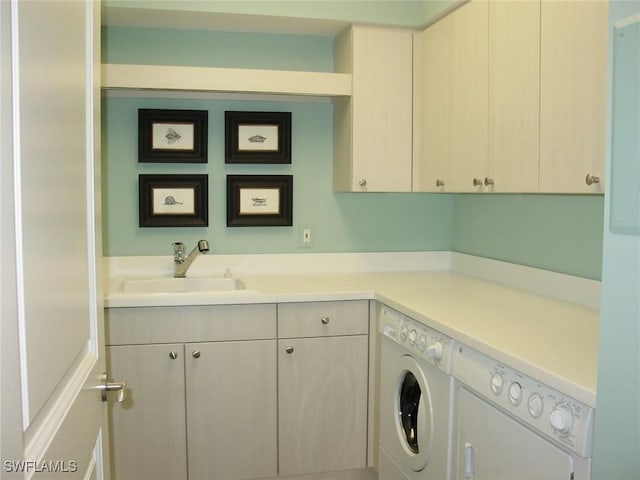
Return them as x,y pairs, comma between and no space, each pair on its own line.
416,400
512,427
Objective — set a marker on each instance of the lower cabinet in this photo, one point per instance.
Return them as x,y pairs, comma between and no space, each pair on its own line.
242,403
218,399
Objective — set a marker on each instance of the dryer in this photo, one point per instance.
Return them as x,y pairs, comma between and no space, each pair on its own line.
416,393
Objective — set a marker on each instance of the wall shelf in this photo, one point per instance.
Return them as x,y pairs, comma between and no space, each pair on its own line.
178,82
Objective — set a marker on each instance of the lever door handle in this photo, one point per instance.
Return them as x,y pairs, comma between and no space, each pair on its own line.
120,387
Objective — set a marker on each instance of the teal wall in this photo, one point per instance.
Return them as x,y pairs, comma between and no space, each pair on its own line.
617,424
559,233
341,222
562,233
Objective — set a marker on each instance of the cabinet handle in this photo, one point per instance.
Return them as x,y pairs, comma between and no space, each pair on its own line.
173,355
439,183
195,354
325,320
591,179
489,181
477,182
362,182
289,349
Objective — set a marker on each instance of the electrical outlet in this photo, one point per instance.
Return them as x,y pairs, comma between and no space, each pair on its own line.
306,235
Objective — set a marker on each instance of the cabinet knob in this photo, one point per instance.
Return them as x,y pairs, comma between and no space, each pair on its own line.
489,181
288,349
173,355
477,182
195,354
439,183
325,320
362,182
591,179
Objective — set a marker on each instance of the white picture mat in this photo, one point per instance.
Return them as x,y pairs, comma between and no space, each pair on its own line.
173,201
184,140
263,138
259,201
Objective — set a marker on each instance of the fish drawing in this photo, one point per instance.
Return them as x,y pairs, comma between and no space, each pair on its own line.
170,200
258,202
172,136
257,139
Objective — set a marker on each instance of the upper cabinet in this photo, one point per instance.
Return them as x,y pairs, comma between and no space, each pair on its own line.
451,95
573,73
511,97
372,128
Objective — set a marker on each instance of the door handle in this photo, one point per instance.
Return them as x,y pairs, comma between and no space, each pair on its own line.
106,387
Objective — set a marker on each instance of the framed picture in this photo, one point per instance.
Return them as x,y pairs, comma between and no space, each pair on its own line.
257,137
259,200
173,200
172,136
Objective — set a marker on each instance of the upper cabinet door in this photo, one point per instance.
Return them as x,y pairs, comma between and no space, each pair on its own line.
573,96
373,137
514,95
452,101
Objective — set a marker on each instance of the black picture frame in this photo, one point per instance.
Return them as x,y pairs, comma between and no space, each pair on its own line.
259,200
257,137
173,200
172,136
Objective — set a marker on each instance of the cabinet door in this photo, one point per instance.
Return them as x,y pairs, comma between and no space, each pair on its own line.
373,145
573,92
232,409
322,388
514,95
453,95
147,431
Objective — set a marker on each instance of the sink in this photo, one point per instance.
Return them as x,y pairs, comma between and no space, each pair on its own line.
188,284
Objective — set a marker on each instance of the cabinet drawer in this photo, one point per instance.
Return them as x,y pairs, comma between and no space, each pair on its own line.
319,319
126,326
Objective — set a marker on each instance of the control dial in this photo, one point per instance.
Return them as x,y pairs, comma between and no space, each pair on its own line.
413,336
515,393
497,383
404,331
435,350
422,343
535,405
562,418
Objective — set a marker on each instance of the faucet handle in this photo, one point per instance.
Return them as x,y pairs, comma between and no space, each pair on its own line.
178,247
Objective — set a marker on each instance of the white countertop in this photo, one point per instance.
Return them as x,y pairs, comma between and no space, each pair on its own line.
554,341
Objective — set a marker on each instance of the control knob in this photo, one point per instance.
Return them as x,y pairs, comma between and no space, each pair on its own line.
404,331
435,351
515,393
413,336
422,343
535,405
562,418
497,383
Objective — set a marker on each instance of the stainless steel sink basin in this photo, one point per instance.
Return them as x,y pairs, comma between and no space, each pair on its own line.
176,285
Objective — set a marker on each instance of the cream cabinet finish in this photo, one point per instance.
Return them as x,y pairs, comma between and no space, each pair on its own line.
148,431
514,96
451,119
323,386
372,128
207,408
574,37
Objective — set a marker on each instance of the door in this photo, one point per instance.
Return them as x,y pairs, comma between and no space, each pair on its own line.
231,409
493,446
148,430
53,418
322,393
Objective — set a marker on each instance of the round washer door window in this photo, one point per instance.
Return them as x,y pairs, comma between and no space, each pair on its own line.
414,414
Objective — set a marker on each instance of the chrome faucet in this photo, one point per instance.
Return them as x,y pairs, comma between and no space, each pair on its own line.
181,261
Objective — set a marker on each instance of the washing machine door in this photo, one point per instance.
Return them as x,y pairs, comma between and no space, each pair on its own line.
413,414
